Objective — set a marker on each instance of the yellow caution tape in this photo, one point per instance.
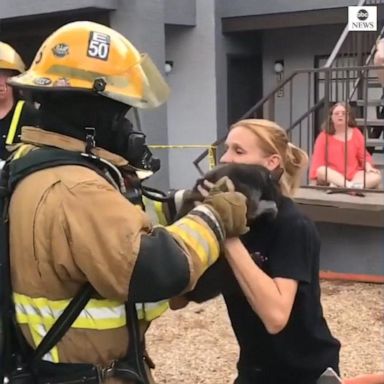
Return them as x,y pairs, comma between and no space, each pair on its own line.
211,150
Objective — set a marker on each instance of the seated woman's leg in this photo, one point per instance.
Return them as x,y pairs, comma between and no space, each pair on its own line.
372,179
328,175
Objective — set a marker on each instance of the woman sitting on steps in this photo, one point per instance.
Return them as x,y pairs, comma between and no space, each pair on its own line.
339,157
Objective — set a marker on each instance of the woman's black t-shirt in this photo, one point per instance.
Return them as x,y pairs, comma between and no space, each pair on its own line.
287,247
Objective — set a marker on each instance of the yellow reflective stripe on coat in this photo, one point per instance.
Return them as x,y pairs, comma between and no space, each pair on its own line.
38,332
198,237
159,209
40,314
155,211
14,123
150,311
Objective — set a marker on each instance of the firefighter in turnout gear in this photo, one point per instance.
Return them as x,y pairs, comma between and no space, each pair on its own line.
82,251
14,112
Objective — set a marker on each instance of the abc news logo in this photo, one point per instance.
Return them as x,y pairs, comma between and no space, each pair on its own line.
362,18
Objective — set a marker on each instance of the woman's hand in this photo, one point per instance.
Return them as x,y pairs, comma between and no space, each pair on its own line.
205,188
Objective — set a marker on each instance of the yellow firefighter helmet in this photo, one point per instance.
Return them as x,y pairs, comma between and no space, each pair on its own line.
87,56
10,59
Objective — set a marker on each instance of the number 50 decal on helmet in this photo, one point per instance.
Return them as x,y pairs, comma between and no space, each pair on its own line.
98,46
90,57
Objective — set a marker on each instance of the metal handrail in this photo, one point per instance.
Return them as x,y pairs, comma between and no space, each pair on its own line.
367,61
306,114
319,104
355,85
340,42
270,94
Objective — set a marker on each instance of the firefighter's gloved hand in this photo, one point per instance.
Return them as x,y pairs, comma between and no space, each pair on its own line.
229,207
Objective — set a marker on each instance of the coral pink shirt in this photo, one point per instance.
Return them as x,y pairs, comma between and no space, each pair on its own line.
336,153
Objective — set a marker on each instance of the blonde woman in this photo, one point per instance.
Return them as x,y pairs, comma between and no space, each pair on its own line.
275,309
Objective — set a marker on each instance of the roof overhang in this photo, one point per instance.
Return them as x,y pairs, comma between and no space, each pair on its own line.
15,9
285,20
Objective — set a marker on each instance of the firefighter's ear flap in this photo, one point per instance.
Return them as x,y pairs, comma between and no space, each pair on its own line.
276,174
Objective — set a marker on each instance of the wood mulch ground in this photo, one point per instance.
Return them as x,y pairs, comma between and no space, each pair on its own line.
196,345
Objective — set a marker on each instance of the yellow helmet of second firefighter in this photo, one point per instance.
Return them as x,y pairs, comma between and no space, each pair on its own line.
91,57
10,59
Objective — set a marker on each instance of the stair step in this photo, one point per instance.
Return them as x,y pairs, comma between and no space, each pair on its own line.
378,165
374,84
370,103
374,142
378,160
370,122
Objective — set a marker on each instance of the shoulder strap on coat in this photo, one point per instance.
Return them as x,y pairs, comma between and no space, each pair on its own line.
44,158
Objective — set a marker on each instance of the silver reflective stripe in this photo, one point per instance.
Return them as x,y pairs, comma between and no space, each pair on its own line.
42,332
198,237
87,313
208,212
150,311
178,199
40,313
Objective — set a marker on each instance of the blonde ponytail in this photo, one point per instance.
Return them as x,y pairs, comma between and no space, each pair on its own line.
295,162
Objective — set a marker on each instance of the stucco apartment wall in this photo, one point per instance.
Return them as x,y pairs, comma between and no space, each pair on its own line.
192,105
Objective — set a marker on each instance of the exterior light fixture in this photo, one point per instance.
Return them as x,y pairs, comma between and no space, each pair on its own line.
168,66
